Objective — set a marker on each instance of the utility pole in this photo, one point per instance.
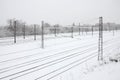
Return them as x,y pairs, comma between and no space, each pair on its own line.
55,30
42,35
113,31
86,29
100,43
109,27
34,32
24,31
72,30
92,30
10,26
15,23
82,30
79,28
116,28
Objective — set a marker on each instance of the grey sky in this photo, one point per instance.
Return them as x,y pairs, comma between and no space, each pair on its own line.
64,12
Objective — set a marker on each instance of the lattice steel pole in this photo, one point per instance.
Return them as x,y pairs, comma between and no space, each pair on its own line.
100,43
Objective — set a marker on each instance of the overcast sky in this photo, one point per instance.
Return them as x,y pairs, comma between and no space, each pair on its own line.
63,12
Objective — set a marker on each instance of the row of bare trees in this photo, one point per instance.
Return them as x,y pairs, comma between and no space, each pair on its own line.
23,29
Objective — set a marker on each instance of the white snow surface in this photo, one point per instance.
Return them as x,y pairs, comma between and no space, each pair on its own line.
63,57
105,72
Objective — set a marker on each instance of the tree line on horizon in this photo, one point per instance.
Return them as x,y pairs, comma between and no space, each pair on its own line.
21,27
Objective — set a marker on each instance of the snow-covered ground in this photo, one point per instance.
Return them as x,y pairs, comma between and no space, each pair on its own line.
63,58
105,72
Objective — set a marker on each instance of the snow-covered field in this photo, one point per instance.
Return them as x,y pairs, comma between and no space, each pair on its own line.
105,72
63,58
